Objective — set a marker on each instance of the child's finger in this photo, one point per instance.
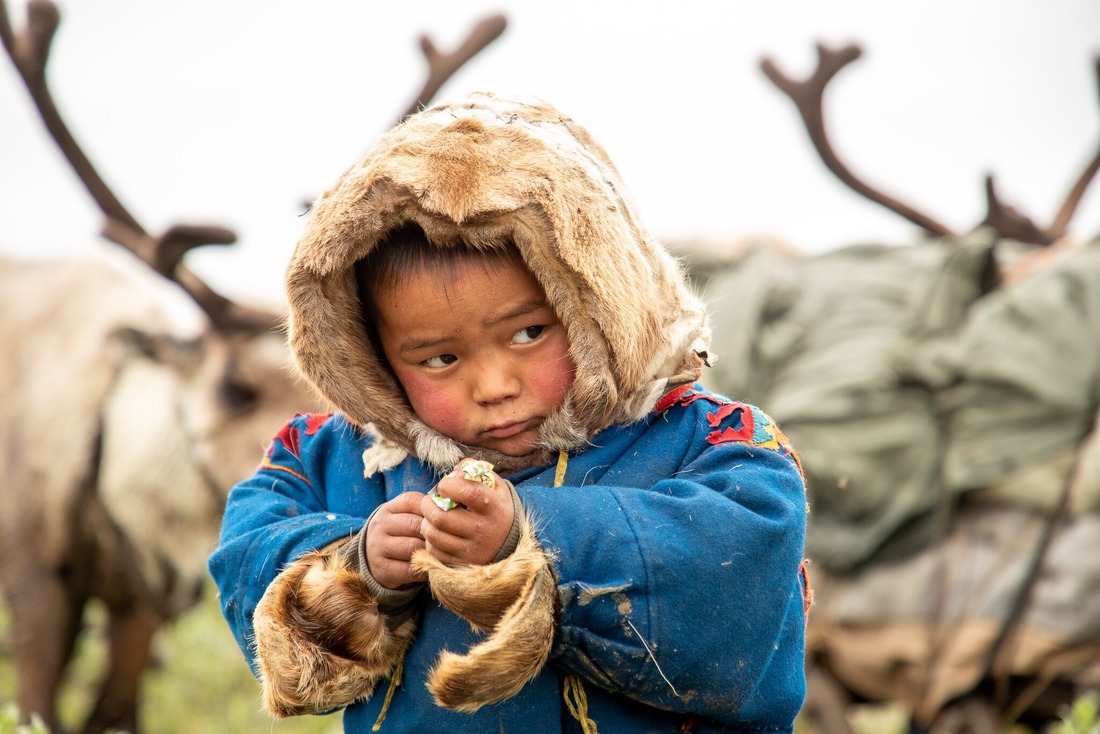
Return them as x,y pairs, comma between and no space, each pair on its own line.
405,525
470,494
399,516
473,472
438,521
405,502
400,549
446,547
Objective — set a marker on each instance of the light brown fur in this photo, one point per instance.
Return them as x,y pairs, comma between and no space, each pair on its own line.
516,597
489,171
321,642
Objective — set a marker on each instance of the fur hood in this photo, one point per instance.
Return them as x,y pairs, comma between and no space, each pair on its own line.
489,170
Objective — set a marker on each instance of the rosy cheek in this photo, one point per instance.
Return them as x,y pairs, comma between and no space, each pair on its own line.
435,406
553,380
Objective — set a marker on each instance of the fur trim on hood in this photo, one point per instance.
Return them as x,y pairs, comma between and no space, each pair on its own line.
490,170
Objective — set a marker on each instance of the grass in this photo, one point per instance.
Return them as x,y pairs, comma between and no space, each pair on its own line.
1083,718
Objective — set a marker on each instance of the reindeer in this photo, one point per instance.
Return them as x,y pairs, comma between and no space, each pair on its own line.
962,661
123,425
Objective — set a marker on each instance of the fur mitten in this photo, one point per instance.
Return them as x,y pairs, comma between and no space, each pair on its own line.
321,642
515,598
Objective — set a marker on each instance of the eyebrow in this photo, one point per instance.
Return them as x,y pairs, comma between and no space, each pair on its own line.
521,309
412,345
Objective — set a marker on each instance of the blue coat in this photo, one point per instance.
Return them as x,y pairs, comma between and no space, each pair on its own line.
678,545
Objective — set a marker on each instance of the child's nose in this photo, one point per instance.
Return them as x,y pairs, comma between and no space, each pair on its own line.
496,381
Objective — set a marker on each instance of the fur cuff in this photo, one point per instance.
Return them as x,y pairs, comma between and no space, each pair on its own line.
321,642
516,599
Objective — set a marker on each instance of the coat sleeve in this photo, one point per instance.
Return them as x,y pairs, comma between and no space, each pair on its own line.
299,609
687,594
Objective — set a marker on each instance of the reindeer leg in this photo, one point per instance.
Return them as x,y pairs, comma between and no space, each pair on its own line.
45,620
130,631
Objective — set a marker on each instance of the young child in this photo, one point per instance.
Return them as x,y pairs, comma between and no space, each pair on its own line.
526,515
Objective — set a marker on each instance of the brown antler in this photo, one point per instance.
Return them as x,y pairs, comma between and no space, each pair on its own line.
808,97
1065,214
164,254
442,66
1009,222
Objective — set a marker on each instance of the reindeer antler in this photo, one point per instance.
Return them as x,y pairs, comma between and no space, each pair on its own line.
441,66
1011,223
1007,221
164,254
1065,214
808,97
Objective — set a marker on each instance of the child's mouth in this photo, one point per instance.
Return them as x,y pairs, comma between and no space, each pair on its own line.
507,430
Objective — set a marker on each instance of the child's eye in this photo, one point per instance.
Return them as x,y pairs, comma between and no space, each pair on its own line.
440,360
528,334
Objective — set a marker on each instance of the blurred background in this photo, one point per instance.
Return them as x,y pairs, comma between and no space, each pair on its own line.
879,351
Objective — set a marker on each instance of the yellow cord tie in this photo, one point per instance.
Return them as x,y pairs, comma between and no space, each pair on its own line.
559,473
576,700
395,682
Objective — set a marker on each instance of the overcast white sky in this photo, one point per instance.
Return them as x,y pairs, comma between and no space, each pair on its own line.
234,113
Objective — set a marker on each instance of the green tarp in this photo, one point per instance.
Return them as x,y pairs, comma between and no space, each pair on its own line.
903,384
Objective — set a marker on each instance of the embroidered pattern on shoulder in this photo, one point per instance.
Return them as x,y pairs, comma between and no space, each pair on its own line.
290,438
744,423
730,421
289,435
314,421
683,395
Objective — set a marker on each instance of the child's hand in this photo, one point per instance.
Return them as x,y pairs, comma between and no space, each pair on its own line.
475,530
392,538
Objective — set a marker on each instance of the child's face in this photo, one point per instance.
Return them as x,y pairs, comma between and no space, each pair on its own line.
483,358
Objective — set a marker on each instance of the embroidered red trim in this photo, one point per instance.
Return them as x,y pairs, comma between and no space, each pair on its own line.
288,435
743,428
672,398
314,421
